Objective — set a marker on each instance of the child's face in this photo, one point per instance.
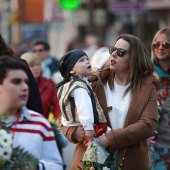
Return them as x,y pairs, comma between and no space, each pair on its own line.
14,90
82,67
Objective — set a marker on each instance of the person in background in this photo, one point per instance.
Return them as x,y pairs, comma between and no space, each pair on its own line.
25,124
160,55
46,86
91,45
75,43
127,94
100,59
34,101
49,64
25,47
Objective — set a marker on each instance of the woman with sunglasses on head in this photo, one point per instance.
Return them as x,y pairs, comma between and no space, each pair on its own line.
160,54
127,93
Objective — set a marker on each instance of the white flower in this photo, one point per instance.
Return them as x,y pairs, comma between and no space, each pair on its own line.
3,132
5,139
0,152
6,153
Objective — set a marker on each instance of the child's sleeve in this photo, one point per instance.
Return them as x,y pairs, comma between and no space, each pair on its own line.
84,108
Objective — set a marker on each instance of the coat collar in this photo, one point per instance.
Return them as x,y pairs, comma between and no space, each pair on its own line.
100,75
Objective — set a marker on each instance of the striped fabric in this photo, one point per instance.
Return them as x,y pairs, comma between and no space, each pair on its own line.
36,136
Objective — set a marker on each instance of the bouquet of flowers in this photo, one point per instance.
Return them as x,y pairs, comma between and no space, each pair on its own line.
96,157
13,158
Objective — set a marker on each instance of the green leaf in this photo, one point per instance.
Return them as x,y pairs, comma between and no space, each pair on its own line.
20,159
109,161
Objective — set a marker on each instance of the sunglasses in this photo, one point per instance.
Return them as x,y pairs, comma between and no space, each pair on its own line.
119,51
165,44
39,50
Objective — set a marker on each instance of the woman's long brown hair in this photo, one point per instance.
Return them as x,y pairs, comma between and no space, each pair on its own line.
140,63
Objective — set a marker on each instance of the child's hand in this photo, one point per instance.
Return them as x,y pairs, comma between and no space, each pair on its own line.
89,134
79,134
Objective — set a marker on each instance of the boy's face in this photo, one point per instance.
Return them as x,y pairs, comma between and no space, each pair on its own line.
14,90
82,67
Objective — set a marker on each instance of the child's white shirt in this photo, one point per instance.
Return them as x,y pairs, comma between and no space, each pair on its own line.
84,107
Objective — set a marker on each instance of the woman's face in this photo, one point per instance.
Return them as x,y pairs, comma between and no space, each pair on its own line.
35,69
162,52
120,64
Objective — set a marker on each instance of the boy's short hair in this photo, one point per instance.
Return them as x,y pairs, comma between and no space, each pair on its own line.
44,43
10,63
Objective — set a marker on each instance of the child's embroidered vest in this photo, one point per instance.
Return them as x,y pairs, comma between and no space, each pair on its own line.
67,104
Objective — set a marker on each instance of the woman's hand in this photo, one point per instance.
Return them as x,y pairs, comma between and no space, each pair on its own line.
79,135
103,141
